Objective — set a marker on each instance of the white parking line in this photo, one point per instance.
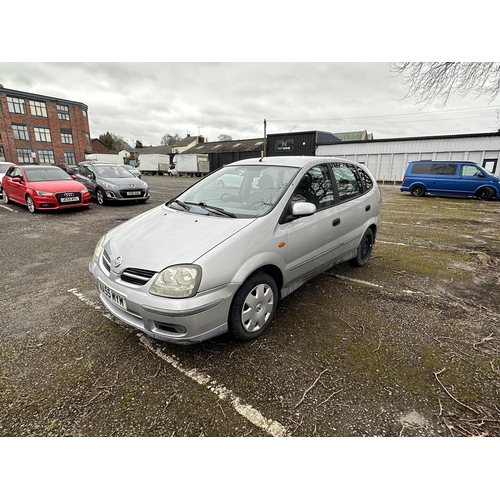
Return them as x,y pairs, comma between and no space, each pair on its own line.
272,427
7,208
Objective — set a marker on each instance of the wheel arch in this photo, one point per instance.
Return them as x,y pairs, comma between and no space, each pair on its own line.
489,188
270,269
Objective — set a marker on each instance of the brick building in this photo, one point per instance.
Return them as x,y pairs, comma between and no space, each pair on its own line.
98,147
41,129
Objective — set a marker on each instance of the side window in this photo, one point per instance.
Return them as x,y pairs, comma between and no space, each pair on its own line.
444,169
315,187
470,171
367,180
348,182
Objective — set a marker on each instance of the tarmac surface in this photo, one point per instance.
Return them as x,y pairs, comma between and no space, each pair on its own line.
408,345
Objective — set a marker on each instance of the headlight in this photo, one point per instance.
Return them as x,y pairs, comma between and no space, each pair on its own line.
177,282
83,191
108,185
44,193
98,248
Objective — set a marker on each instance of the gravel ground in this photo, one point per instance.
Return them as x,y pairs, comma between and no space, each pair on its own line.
408,345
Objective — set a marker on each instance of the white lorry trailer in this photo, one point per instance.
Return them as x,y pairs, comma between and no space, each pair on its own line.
108,158
152,164
191,164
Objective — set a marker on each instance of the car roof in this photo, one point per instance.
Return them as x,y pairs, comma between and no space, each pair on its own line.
36,167
289,161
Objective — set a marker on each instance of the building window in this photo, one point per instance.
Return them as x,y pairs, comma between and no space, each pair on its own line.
20,132
84,113
62,112
24,155
46,156
2,154
66,136
16,105
87,139
42,134
38,108
69,158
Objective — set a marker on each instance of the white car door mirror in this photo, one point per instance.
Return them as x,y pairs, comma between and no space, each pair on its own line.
303,208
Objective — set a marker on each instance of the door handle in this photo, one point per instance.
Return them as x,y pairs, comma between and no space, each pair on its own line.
368,208
335,222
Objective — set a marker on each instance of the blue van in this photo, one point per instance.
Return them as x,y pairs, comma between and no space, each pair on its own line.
458,178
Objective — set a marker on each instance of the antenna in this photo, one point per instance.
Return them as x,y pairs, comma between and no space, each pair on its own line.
202,123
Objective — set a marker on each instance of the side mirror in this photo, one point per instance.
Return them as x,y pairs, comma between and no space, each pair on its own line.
303,208
17,179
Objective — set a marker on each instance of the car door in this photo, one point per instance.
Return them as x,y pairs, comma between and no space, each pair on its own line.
87,178
313,241
15,189
469,179
356,208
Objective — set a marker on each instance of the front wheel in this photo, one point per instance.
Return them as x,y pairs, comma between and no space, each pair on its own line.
100,196
6,199
364,250
253,307
31,204
485,194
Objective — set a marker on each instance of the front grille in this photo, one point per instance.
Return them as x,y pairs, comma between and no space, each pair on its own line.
69,194
137,276
124,193
106,260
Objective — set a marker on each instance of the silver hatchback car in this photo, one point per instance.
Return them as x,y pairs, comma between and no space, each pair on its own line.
217,259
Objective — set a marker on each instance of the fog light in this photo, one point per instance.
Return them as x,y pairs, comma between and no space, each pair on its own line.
169,327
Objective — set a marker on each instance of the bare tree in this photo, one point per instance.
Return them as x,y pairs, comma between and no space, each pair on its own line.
224,137
438,80
169,140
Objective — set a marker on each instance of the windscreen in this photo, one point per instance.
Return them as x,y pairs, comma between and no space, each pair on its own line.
244,191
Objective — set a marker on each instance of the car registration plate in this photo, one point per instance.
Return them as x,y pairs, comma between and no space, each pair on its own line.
133,193
117,298
70,199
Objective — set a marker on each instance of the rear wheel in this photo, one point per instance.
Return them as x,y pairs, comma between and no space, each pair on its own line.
31,204
364,250
253,307
417,190
6,199
485,194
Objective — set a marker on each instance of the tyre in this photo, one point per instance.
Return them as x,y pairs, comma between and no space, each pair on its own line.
485,194
417,190
100,196
220,184
364,250
253,307
6,199
31,204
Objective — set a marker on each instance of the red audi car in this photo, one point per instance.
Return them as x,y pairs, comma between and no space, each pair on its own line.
43,187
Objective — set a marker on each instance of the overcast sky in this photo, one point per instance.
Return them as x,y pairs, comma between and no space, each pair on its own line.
145,101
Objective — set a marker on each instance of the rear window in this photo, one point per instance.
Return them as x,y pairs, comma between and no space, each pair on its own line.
434,168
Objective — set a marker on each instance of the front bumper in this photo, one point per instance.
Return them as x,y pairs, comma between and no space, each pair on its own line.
121,195
178,321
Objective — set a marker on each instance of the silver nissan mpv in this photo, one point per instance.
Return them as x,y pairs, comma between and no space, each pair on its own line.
219,256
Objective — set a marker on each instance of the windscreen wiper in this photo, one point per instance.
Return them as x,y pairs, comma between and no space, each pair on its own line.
215,209
181,204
